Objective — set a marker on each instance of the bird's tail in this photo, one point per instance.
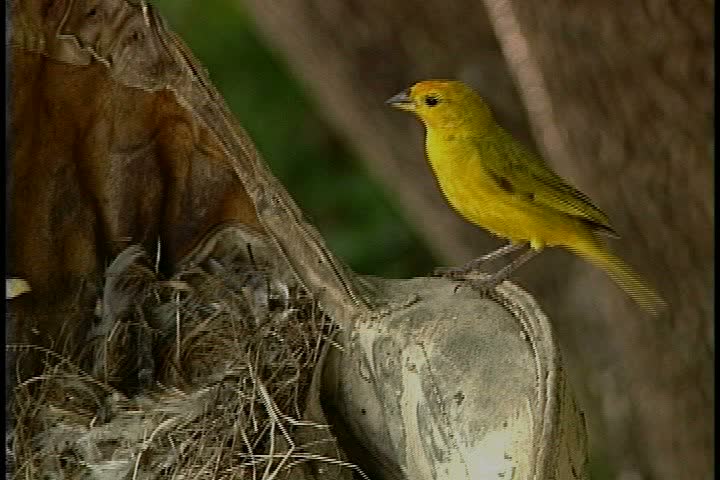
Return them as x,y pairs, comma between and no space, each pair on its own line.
594,251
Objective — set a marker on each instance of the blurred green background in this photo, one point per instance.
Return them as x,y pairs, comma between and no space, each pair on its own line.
357,218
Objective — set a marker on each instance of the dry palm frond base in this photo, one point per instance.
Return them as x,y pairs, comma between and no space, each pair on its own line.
203,376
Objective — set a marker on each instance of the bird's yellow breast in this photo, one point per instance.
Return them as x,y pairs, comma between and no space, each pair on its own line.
495,183
474,194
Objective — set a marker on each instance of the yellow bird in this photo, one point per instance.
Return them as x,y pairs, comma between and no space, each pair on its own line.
494,182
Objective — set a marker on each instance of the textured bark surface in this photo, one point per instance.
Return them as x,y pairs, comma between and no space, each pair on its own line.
630,92
98,165
120,139
619,98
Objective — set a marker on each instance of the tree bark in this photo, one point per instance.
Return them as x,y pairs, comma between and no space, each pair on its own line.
619,100
630,92
121,138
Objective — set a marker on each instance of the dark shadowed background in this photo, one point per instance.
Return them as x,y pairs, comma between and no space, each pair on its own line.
617,96
358,217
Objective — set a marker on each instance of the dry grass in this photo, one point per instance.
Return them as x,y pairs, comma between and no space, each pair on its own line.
231,351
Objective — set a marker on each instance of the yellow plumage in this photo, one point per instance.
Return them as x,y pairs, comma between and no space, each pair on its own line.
496,183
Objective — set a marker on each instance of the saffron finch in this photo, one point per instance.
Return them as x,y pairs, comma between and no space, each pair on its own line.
496,183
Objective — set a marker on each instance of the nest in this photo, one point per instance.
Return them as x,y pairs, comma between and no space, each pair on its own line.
205,375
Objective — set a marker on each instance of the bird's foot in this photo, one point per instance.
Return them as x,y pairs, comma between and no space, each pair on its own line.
482,283
454,273
487,283
461,272
474,265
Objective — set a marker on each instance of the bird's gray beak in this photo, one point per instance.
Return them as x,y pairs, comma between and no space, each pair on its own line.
402,101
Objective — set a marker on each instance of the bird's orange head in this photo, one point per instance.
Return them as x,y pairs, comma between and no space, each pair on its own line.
445,104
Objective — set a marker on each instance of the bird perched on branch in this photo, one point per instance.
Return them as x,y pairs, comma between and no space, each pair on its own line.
496,183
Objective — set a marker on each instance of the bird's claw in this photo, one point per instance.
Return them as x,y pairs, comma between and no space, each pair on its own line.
482,283
476,263
485,285
451,272
459,272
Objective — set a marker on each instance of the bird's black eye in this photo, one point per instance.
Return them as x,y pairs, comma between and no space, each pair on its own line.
431,101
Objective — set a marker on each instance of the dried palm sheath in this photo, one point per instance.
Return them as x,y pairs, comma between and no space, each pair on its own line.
233,364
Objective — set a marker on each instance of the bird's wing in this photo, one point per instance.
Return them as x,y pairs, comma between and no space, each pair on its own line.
518,171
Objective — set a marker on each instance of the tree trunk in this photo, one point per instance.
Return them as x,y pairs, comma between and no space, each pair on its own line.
619,100
221,302
630,91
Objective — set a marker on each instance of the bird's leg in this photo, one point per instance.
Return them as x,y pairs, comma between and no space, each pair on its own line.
477,262
491,281
500,252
